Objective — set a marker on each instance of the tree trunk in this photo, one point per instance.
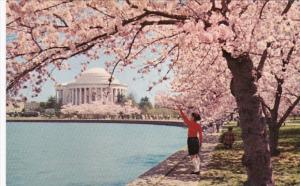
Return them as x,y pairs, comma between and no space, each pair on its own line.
273,137
257,157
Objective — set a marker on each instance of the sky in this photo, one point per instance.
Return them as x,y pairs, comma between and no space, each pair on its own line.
137,87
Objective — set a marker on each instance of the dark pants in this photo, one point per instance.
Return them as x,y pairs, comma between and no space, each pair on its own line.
193,145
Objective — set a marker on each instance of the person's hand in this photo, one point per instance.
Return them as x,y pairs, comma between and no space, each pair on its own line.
179,107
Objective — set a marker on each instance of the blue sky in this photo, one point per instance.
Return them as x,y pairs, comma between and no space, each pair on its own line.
138,87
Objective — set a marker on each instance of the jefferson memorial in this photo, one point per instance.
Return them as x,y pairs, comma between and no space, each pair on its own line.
90,86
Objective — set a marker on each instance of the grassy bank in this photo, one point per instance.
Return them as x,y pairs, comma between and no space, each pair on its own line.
226,168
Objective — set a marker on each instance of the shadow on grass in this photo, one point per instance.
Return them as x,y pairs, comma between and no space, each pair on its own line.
226,168
289,139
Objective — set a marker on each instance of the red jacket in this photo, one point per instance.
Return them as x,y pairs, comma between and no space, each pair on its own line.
193,127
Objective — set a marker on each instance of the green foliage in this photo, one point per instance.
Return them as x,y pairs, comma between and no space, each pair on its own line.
132,98
43,106
121,99
145,104
51,103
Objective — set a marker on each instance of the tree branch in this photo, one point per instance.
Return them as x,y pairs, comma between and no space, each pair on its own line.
170,67
157,13
17,19
277,98
262,61
104,13
31,34
154,41
288,6
25,72
280,82
90,42
198,2
44,62
167,15
128,54
265,106
288,111
160,22
262,8
53,6
161,59
61,19
287,60
131,5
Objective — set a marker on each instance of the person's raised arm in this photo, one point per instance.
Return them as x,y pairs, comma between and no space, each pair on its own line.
184,117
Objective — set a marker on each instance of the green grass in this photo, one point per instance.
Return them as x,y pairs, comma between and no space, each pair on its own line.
226,168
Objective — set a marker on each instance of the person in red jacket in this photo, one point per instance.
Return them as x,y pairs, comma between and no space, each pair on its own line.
194,140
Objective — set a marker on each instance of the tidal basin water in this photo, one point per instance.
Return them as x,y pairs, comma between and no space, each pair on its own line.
85,154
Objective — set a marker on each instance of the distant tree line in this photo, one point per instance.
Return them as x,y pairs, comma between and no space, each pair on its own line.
51,103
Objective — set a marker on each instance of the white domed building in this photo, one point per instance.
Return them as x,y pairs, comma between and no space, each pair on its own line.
90,86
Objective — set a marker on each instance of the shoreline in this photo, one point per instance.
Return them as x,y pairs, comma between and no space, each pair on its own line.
175,169
162,169
147,122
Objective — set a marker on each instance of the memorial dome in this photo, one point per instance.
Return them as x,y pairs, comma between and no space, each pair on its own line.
91,85
95,76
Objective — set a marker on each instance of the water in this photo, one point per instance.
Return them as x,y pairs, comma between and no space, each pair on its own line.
57,154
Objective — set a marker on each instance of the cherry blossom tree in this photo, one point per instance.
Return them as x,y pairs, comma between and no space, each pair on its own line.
255,40
279,92
193,90
98,108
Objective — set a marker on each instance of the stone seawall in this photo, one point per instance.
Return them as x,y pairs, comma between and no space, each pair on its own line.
176,169
149,122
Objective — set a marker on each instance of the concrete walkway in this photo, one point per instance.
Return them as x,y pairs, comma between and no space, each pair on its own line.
176,170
